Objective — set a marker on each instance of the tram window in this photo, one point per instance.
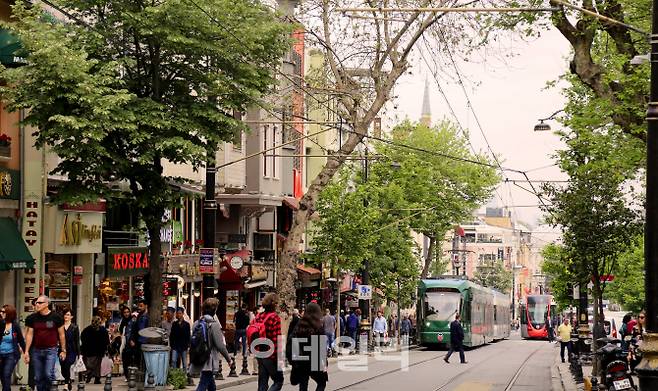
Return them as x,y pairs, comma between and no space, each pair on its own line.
441,306
495,311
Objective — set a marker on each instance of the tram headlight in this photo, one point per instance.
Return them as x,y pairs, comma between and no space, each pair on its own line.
427,324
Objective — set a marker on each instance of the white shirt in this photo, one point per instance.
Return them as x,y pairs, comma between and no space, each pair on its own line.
379,326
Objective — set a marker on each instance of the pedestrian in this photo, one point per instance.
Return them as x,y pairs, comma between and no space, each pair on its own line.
405,329
179,339
241,323
549,328
352,327
44,330
268,367
306,353
214,338
456,340
564,334
125,327
72,335
379,328
329,324
168,320
141,322
95,341
12,345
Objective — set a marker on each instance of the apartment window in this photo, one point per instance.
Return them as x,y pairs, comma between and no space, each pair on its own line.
265,145
274,152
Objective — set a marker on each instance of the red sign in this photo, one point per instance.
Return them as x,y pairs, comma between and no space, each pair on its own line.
127,261
606,278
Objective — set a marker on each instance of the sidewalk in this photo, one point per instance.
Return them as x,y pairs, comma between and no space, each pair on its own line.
562,380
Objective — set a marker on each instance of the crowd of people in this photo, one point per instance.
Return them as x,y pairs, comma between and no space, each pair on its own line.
54,346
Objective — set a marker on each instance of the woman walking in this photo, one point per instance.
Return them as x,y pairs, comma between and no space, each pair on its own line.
12,345
307,363
95,341
72,335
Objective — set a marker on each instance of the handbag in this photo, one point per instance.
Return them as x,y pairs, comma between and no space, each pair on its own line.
78,367
58,371
106,366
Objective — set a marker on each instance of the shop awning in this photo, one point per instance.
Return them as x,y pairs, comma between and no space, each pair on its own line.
291,202
312,272
10,47
255,284
13,251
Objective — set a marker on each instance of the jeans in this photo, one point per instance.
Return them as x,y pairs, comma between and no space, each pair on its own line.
175,355
7,365
241,339
267,369
352,334
206,382
565,345
456,348
44,367
303,383
379,338
330,340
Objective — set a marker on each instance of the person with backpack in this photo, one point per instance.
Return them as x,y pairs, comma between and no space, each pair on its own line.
305,350
267,325
206,345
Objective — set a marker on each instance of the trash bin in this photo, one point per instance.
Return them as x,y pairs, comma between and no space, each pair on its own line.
156,355
156,360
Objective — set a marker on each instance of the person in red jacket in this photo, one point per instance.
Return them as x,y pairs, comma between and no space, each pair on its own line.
268,367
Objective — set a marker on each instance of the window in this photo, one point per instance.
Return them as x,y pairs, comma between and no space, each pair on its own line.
441,306
274,152
265,145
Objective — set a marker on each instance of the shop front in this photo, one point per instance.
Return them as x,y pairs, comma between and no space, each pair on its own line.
14,254
72,241
124,281
187,293
308,286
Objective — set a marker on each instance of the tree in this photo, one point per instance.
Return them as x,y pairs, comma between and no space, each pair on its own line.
493,274
557,267
445,183
365,57
627,288
122,86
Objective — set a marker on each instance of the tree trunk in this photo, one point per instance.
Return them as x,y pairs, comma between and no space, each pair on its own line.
429,257
598,330
155,274
287,272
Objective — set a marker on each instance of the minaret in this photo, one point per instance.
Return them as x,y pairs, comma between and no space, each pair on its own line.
426,113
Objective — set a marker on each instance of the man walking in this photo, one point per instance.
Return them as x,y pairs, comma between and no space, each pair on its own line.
179,339
241,324
329,323
456,340
564,333
140,324
44,330
405,330
352,327
379,328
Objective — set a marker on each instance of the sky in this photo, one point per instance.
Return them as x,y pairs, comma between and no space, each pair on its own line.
508,99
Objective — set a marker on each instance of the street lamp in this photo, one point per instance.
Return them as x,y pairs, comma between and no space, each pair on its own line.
544,127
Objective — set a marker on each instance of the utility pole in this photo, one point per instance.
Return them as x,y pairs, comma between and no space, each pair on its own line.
209,218
647,370
365,271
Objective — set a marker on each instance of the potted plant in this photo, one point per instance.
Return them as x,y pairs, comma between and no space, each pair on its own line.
187,246
5,145
175,249
197,245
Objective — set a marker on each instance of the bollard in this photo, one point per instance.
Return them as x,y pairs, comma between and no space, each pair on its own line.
219,375
54,385
190,381
245,366
131,379
232,372
150,383
81,386
108,383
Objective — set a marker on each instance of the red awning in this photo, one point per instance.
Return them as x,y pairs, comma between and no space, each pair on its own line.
291,202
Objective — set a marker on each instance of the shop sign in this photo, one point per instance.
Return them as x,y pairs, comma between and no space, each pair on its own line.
78,270
127,261
77,280
73,232
10,181
207,260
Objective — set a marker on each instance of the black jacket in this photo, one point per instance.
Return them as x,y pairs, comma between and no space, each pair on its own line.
94,342
241,320
308,363
179,339
456,333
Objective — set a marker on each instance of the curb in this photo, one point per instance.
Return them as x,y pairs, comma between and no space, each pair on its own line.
556,377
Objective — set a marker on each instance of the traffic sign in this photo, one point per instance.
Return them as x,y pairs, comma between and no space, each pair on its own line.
365,292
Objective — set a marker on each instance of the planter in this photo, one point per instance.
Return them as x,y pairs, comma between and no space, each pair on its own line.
5,150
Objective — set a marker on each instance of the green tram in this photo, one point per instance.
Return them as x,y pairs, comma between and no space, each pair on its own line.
485,313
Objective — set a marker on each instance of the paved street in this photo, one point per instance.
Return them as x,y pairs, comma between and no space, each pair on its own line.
507,365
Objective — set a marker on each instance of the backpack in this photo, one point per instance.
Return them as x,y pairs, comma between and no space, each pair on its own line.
199,344
257,329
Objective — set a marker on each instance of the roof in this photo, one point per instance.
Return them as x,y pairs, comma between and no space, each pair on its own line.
308,269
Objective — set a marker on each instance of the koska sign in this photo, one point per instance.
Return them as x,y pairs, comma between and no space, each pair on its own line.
72,232
127,261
